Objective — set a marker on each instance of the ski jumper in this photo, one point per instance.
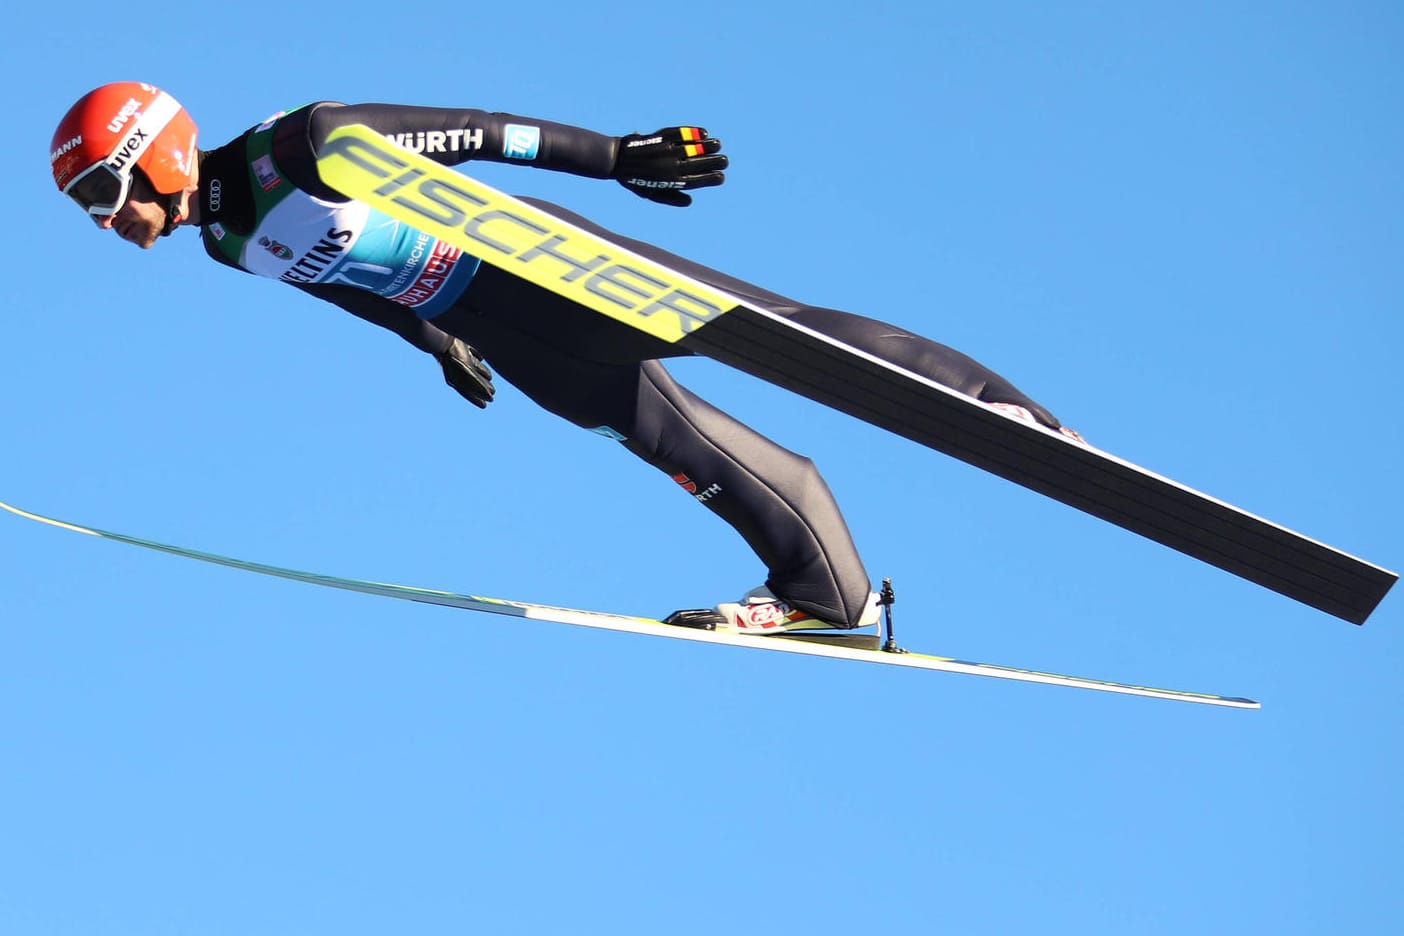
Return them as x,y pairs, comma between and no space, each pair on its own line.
264,209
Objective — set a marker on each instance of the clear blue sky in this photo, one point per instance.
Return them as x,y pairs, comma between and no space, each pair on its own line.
1179,225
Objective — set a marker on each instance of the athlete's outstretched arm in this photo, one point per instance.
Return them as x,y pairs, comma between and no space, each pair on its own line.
660,166
451,136
380,311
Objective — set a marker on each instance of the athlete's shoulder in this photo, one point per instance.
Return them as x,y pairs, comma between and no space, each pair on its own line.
297,138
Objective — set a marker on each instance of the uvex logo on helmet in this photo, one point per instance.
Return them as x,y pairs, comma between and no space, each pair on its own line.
128,109
131,147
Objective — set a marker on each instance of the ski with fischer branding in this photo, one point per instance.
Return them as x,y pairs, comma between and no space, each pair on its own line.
838,645
614,281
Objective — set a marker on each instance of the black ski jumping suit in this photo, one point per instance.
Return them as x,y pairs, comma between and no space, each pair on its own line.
264,209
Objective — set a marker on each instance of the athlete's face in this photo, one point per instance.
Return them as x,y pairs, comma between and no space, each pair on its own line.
142,216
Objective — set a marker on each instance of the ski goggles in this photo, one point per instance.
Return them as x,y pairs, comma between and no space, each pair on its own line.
99,190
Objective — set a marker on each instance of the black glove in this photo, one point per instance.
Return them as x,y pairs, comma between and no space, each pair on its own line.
660,165
465,372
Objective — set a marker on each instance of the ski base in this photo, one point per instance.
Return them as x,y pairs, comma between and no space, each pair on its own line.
838,646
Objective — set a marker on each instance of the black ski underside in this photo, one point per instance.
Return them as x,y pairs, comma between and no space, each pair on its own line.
826,371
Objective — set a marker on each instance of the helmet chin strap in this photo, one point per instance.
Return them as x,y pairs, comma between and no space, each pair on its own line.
173,217
173,214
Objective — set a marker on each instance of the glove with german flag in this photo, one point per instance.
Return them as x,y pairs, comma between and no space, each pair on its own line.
660,166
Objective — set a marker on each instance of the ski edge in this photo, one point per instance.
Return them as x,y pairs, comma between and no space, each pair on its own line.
647,626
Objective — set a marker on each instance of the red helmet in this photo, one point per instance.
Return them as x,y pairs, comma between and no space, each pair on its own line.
113,129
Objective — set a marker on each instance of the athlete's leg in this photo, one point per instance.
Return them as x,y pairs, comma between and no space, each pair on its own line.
774,498
906,349
920,355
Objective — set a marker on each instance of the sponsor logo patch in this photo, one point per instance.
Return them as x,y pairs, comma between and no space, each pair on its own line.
435,273
54,156
765,616
439,141
265,173
690,486
132,147
320,257
119,120
521,142
281,251
513,236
